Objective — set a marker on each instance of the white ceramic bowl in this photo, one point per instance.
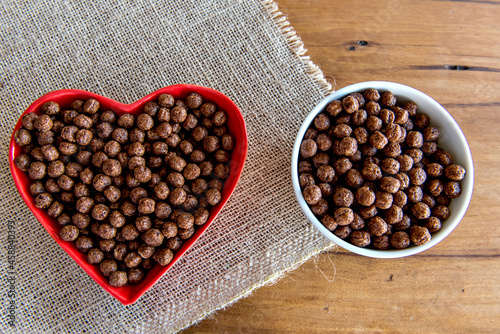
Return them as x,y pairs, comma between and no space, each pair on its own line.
451,139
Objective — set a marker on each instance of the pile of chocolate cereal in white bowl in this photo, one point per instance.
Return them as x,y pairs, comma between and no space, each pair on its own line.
382,170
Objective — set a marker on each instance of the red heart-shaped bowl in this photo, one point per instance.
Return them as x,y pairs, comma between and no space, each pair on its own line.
236,125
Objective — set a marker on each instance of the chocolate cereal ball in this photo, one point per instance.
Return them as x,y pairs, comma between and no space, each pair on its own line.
312,194
129,232
421,210
178,114
308,148
166,100
377,226
83,121
73,169
348,146
104,130
360,238
142,174
28,121
91,106
213,196
83,243
100,212
55,209
325,173
400,240
101,182
452,189
145,122
107,245
126,121
23,162
194,100
342,231
108,116
393,215
112,148
120,135
132,260
43,123
344,216
201,216
117,219
69,233
137,193
177,196
163,256
389,184
84,204
354,178
87,176
390,166
36,188
22,137
381,242
365,196
371,172
153,237
120,251
343,197
163,210
143,223
443,157
454,172
118,278
151,109
146,251
433,224
95,256
383,200
419,235
146,206
162,191
135,276
378,140
417,176
108,266
350,104
112,167
112,193
191,172
37,170
169,229
43,200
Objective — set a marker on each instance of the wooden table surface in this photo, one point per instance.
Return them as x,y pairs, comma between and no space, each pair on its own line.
451,51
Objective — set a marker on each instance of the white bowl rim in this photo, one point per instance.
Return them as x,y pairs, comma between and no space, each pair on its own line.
411,94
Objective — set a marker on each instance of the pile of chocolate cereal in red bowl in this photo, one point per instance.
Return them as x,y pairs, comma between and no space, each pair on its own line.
126,189
382,170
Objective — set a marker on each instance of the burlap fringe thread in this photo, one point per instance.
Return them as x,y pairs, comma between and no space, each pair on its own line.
292,39
296,45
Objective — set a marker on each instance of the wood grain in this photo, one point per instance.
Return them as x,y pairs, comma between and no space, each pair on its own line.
451,51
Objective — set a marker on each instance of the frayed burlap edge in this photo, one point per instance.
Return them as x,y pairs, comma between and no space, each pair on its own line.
293,41
270,280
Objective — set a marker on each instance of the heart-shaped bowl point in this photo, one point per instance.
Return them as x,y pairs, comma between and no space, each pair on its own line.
235,123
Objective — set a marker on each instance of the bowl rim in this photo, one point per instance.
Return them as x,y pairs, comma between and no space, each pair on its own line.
131,293
409,93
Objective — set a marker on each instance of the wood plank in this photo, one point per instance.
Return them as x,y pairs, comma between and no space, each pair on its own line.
450,50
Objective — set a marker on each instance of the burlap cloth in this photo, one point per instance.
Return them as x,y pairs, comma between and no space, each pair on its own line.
125,50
